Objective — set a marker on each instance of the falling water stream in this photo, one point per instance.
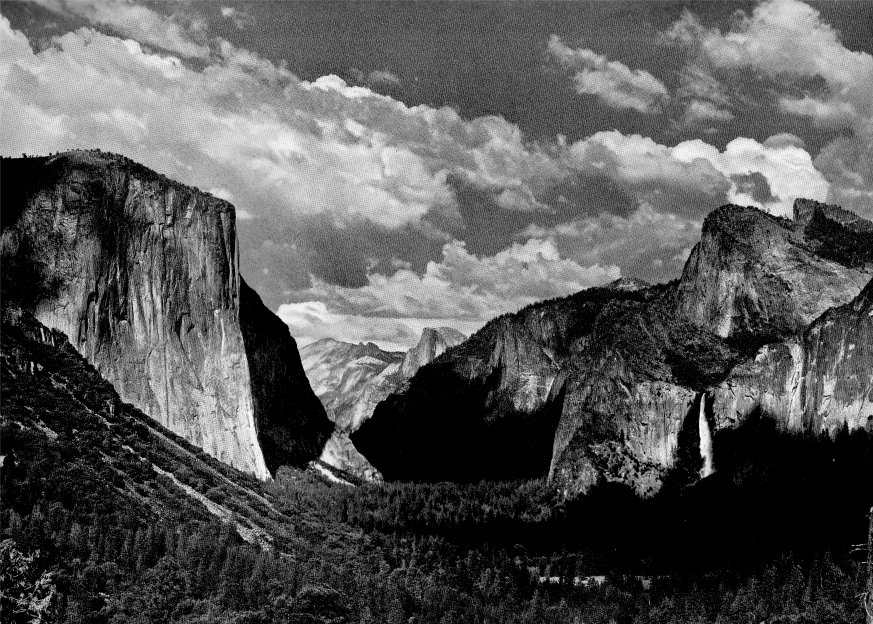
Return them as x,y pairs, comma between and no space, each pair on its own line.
705,439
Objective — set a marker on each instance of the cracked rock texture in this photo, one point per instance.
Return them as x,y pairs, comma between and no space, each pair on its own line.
606,384
142,274
820,380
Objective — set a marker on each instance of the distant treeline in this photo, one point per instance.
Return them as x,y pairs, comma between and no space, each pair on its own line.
765,539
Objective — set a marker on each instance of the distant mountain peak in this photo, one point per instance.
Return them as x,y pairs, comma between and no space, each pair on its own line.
351,379
433,343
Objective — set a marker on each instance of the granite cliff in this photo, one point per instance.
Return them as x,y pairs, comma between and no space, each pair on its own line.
351,379
819,380
617,383
142,274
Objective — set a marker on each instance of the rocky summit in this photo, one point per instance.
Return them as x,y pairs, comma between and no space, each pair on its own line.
351,379
142,274
619,383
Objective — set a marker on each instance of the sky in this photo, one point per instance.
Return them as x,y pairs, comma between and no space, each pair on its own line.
398,165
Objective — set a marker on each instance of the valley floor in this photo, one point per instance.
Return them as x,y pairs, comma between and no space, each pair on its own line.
109,518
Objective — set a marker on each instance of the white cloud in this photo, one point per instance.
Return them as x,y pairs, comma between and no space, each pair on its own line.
783,39
646,168
247,125
788,169
652,243
464,285
830,113
137,22
702,111
614,83
788,43
309,321
462,291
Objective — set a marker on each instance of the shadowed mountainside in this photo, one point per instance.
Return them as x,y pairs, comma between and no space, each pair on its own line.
607,384
351,379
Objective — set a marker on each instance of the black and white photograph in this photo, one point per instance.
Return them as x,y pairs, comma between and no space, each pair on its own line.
436,312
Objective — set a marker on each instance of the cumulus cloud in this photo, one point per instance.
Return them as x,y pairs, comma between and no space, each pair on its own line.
647,171
788,43
462,290
652,245
612,82
464,285
137,22
314,148
651,171
783,39
314,166
787,169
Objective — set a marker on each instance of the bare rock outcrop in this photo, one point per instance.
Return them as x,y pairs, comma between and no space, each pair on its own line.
432,344
351,379
610,383
142,274
753,274
820,380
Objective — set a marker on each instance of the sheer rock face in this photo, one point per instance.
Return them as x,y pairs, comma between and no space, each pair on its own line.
351,379
431,345
142,274
820,380
340,453
757,275
601,385
292,424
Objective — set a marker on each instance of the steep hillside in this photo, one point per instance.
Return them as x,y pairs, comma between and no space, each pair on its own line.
58,412
291,421
615,383
107,516
351,379
143,274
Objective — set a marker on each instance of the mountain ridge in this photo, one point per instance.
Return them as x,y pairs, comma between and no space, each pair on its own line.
351,379
606,382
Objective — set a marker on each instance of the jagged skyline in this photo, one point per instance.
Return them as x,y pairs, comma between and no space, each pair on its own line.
387,181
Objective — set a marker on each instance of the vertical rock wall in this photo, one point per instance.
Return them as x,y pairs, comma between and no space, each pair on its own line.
142,274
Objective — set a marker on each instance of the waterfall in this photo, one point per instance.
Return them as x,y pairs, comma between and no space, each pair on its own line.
705,439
